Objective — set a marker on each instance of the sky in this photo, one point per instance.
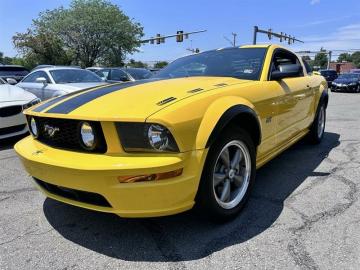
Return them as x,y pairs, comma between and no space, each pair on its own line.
330,24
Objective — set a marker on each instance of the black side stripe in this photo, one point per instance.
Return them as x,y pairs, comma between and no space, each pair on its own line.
58,99
74,103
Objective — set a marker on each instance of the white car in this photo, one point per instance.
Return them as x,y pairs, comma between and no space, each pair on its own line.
13,100
51,82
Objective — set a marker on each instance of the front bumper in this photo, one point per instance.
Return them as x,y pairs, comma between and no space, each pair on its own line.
98,173
12,126
344,88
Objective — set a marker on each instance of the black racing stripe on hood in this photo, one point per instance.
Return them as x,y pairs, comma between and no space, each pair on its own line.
59,98
74,103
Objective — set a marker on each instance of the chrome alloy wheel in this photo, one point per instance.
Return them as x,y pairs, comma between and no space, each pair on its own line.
231,174
321,122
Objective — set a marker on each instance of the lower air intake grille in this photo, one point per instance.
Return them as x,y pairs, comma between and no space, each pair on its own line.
74,194
10,111
13,129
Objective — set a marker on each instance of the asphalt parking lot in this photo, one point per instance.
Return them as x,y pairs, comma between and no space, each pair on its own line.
304,214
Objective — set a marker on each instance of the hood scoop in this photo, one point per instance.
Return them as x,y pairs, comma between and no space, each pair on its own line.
165,101
195,90
220,84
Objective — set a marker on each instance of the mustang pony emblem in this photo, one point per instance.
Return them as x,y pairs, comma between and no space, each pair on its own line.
50,131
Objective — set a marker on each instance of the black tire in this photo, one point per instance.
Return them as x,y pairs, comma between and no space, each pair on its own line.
206,202
317,131
357,90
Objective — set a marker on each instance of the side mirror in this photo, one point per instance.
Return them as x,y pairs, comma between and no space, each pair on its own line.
11,81
42,80
286,71
124,79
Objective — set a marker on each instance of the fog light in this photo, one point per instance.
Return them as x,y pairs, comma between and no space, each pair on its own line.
149,177
33,127
87,136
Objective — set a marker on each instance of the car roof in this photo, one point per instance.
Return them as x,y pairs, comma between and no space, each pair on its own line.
55,68
13,66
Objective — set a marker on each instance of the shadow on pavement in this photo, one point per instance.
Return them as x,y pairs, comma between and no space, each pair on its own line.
9,143
185,236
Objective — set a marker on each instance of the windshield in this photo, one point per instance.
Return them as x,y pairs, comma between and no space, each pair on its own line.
13,71
139,74
74,76
349,76
242,63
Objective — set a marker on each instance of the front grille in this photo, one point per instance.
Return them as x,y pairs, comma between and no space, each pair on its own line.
13,129
67,135
74,194
10,111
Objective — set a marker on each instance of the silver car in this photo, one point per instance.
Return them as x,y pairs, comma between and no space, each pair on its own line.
51,82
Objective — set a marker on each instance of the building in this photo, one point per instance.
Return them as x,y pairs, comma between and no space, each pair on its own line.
343,67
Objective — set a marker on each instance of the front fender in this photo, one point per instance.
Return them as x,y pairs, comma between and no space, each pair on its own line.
211,125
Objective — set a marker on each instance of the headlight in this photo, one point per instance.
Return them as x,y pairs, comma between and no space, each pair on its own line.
87,136
33,127
144,137
31,103
158,137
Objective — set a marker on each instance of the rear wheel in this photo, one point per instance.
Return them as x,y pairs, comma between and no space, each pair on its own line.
318,127
228,175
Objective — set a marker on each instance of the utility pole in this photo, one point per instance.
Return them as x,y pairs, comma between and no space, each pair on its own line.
329,60
282,36
233,41
234,38
329,54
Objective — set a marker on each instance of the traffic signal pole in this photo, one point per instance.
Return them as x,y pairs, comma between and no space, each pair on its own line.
282,36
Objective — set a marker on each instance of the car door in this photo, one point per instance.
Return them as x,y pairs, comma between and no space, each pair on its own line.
295,106
30,84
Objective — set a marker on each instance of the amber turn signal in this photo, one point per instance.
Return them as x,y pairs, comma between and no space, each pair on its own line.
149,177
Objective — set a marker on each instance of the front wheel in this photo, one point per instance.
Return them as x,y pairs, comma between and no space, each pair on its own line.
228,175
318,126
357,90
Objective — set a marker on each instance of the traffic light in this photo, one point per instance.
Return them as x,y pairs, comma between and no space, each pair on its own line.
158,39
179,36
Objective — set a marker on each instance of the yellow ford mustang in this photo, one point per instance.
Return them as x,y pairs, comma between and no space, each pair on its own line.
194,135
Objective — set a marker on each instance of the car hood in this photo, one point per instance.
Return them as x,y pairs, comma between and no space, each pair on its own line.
345,81
132,101
10,93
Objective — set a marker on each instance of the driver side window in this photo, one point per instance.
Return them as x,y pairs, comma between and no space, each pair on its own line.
38,74
282,58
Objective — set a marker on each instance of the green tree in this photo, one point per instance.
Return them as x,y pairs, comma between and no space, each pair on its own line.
161,64
88,32
40,46
136,64
5,59
355,58
344,57
321,59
